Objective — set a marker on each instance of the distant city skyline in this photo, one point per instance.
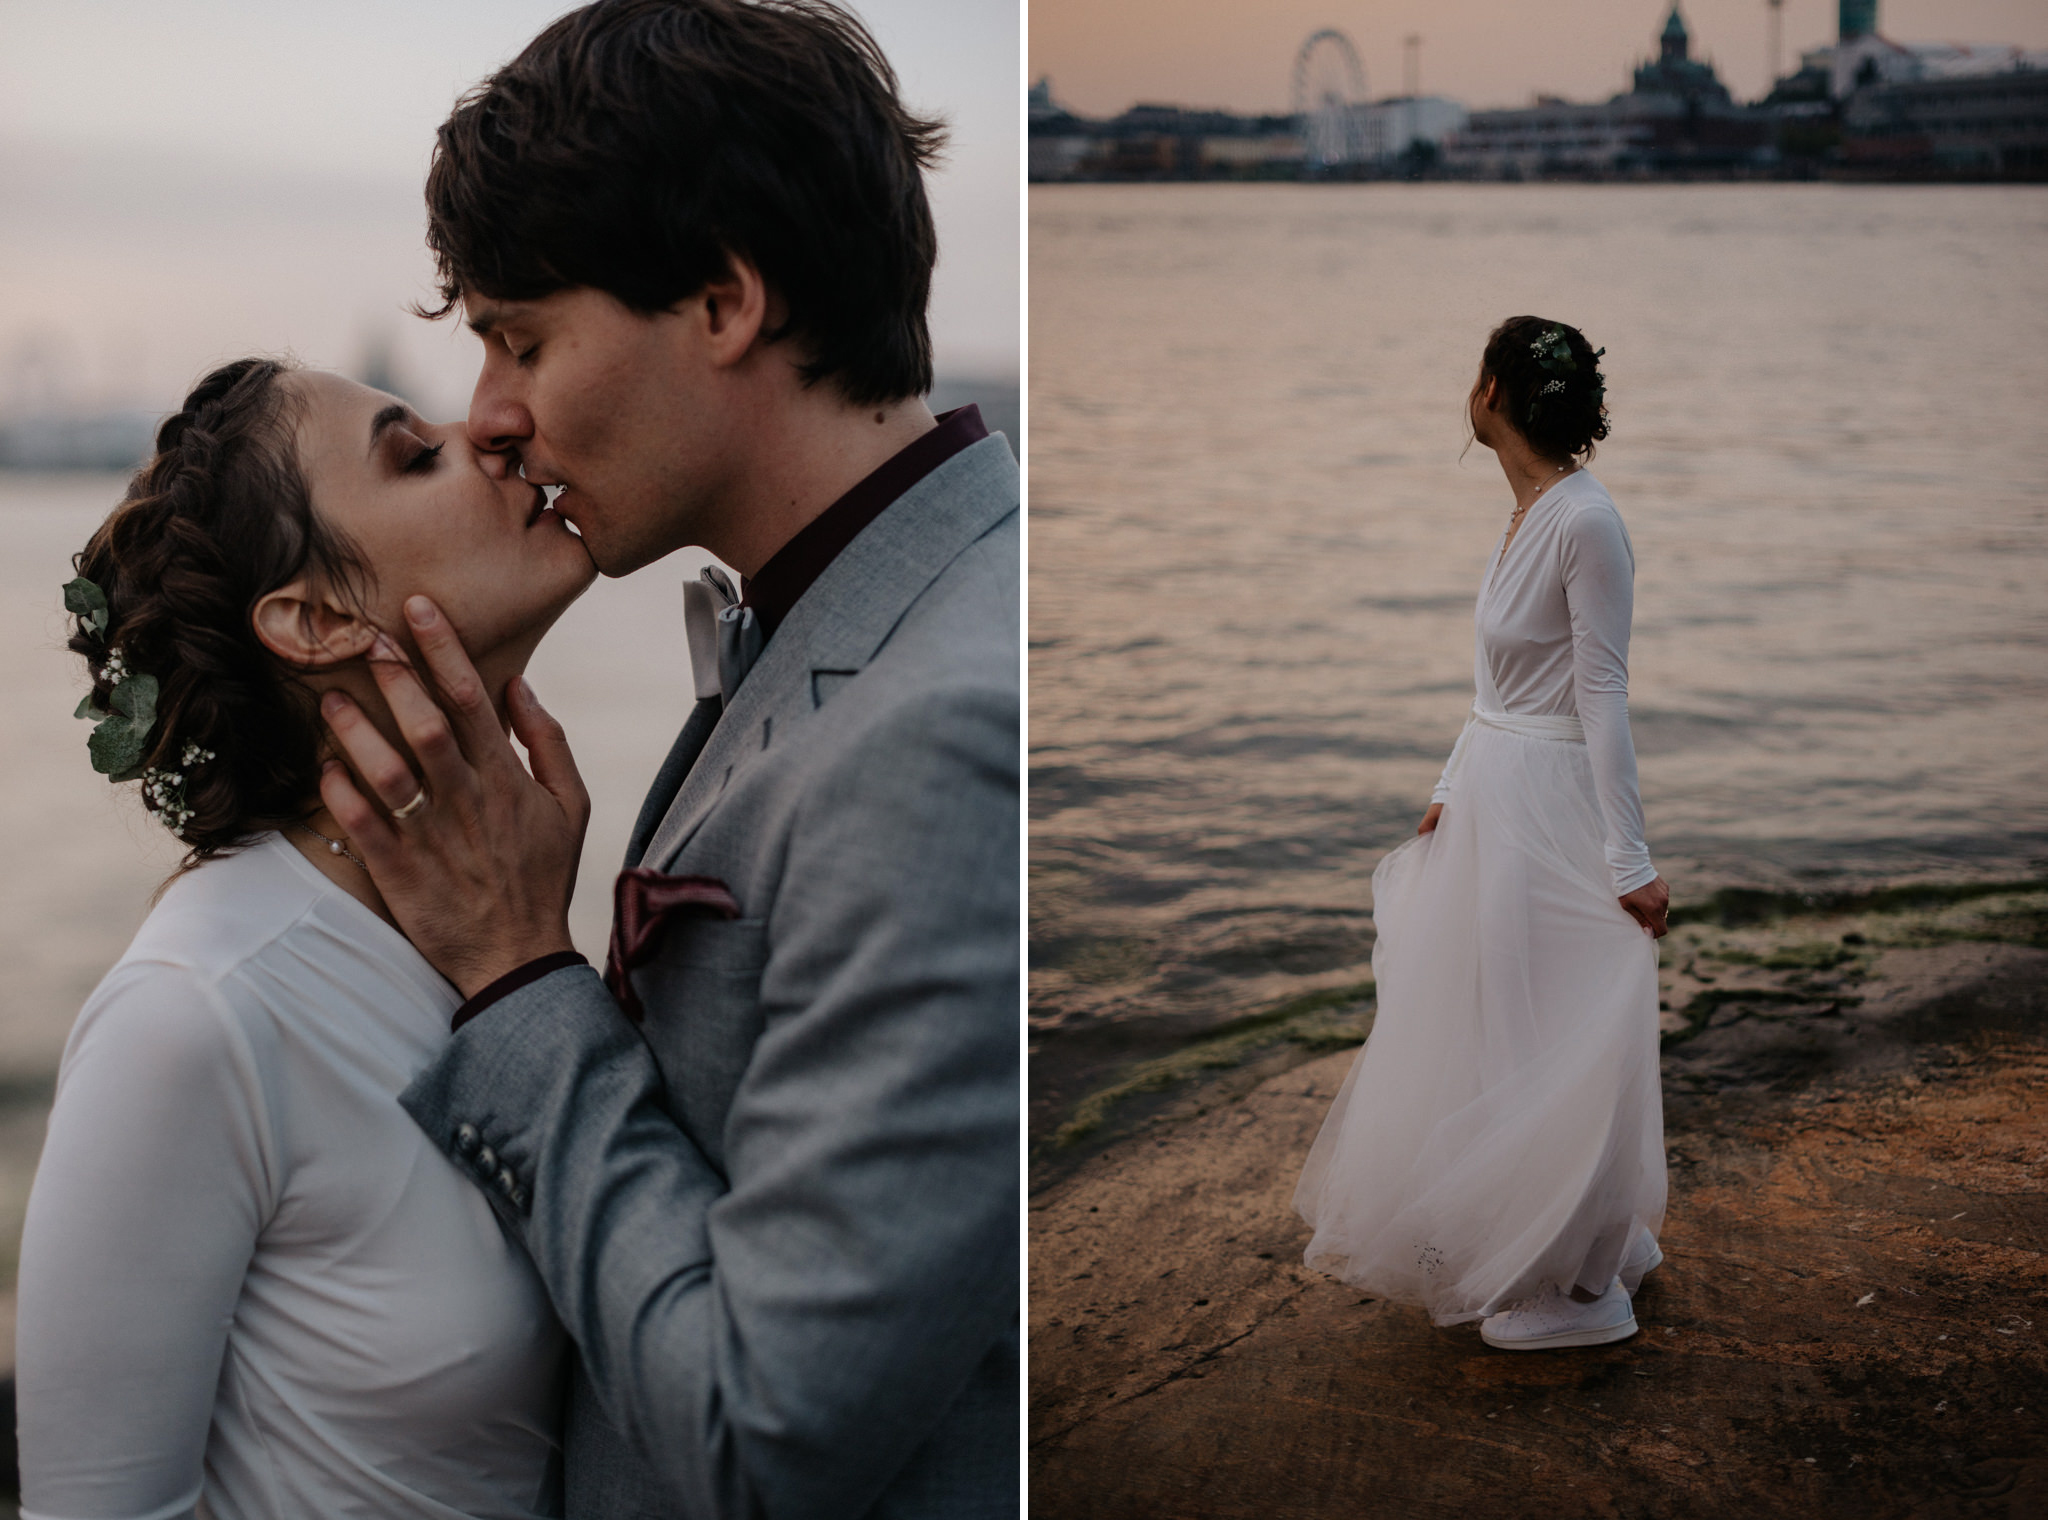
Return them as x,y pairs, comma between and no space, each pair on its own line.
1103,56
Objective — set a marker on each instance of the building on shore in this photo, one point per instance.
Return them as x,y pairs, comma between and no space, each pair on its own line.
1863,107
1991,126
1674,72
1158,142
1168,142
1868,106
1056,140
1862,56
1677,118
1553,136
1404,129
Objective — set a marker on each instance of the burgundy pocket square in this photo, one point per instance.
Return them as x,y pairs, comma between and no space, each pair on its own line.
643,902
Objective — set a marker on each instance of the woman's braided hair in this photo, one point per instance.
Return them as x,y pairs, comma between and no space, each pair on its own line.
1550,385
220,516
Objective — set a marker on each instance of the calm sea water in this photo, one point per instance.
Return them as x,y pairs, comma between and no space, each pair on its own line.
1254,549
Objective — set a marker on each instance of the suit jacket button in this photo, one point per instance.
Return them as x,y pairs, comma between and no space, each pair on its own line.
517,1198
486,1161
507,1183
467,1140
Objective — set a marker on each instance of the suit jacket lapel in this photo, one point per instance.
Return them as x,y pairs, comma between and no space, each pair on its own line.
669,779
846,616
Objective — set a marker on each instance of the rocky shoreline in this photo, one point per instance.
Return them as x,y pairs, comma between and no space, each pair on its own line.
1849,1322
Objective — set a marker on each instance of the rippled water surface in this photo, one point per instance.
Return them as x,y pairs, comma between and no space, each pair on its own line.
1254,548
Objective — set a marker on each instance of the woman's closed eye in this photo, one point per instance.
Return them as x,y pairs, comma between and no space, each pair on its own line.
423,461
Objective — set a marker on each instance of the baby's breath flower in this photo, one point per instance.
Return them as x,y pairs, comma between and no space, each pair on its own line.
163,791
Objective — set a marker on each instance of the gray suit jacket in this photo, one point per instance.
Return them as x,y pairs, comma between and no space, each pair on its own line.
780,1219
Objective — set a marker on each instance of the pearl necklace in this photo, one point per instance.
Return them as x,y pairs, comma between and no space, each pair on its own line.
335,846
1520,511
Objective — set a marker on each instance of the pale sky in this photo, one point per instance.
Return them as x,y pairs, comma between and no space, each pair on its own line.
183,183
1104,55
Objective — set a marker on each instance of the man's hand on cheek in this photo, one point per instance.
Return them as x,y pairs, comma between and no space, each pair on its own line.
475,857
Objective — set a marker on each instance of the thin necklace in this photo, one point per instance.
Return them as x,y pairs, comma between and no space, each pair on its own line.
1520,510
334,846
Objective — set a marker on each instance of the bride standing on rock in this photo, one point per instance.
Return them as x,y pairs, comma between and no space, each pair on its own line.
1496,1152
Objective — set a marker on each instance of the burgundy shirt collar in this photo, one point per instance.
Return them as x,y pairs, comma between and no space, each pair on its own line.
792,568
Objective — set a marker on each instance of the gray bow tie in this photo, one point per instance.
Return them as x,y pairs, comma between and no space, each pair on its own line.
725,638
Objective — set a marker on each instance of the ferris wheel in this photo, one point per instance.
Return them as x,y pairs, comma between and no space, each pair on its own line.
1329,99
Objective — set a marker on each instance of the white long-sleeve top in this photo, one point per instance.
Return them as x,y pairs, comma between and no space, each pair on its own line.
1553,623
250,1286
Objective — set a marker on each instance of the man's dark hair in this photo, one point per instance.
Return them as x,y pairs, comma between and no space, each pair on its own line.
635,144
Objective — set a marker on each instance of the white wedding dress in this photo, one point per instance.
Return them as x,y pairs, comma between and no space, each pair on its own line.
251,1288
1502,1130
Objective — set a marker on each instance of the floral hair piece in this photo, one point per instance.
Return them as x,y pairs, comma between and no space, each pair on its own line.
1553,354
121,729
164,790
120,734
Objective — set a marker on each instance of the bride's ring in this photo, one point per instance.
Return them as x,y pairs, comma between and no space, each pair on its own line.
419,800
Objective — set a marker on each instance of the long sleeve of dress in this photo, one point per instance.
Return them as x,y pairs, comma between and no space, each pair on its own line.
144,1216
1443,782
1599,585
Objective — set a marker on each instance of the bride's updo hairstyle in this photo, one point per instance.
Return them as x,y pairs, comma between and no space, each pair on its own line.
220,517
1550,385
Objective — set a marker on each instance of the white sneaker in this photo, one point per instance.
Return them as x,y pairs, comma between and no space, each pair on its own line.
1643,1258
1554,1319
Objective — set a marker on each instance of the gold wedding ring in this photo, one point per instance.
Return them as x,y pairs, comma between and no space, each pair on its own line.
419,800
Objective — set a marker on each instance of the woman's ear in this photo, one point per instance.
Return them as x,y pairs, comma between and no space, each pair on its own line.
303,626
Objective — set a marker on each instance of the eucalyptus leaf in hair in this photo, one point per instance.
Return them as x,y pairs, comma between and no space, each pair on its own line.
84,599
135,700
1554,353
119,741
116,749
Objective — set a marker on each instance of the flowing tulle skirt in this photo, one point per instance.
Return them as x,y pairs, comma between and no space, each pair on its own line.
1503,1128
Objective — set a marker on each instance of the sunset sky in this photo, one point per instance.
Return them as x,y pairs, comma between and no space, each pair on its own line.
1103,55
183,183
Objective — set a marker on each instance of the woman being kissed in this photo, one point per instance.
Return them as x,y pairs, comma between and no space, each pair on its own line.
249,1284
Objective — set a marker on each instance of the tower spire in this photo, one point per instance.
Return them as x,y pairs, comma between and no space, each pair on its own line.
1673,45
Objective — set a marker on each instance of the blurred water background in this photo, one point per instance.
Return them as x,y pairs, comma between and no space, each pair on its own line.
183,185
1254,553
